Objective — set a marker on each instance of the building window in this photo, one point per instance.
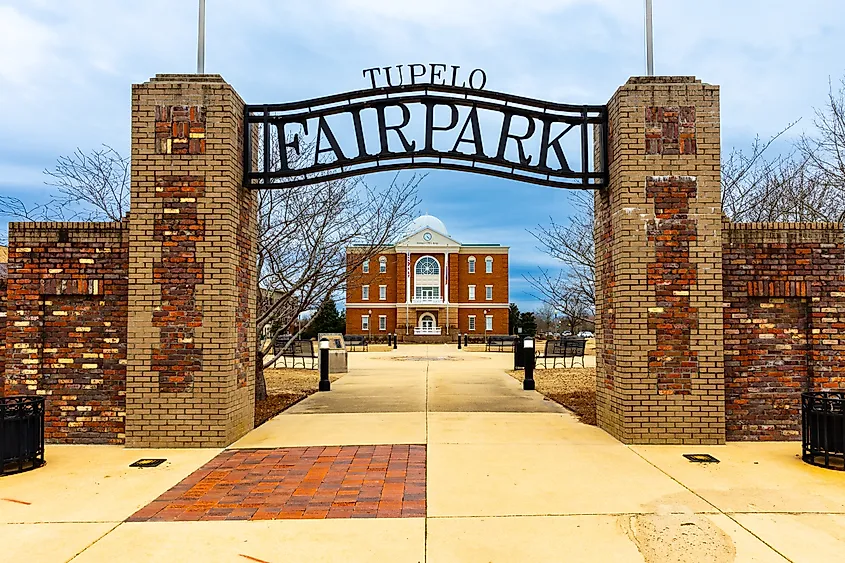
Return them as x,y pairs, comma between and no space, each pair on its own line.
382,322
422,292
488,292
382,265
365,292
366,266
472,323
382,292
488,264
472,264
472,293
427,266
365,322
488,323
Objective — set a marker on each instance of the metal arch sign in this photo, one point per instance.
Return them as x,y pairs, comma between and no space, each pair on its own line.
436,126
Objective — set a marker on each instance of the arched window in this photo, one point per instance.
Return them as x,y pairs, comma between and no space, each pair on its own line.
472,264
427,266
382,265
488,264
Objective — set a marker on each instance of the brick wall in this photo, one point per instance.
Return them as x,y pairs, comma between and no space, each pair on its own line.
784,294
67,322
3,273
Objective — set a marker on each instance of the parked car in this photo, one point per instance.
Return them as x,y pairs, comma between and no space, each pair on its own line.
567,333
586,334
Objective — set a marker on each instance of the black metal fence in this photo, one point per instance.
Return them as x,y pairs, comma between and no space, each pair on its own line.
21,434
823,428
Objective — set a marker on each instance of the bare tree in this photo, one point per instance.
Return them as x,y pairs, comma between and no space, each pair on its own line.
90,186
303,233
824,155
303,238
571,290
758,185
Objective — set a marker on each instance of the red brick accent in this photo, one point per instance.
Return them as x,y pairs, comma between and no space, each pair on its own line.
673,275
178,273
784,309
66,337
670,130
299,483
180,130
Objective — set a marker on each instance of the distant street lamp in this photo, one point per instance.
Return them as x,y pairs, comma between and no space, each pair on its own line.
485,326
369,325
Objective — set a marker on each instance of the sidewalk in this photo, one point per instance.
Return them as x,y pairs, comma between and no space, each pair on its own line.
499,474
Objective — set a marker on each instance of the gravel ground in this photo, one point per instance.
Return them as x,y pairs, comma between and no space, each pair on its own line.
574,388
285,388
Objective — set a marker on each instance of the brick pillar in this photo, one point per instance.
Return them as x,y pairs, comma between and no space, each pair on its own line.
191,339
659,266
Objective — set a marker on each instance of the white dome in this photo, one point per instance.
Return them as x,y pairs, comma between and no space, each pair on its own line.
427,222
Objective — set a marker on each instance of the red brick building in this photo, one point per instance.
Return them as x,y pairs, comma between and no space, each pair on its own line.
428,286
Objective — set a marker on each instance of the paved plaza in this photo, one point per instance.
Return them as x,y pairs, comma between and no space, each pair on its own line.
426,453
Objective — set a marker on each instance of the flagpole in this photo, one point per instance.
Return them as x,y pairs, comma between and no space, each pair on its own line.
201,40
649,38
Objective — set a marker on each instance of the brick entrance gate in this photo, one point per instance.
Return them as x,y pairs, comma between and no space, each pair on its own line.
143,331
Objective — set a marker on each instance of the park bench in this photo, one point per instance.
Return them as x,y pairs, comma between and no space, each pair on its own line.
356,341
280,341
300,350
562,349
500,343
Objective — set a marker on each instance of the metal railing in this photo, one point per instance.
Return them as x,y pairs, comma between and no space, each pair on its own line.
427,301
823,428
21,433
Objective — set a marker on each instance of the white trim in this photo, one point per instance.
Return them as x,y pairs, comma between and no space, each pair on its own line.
488,293
365,292
417,263
471,265
365,267
382,325
384,293
471,323
488,323
365,322
471,293
382,263
488,262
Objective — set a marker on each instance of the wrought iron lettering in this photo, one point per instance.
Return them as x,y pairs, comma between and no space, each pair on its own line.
426,126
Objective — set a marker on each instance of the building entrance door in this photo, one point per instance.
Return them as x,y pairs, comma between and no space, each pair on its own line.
427,322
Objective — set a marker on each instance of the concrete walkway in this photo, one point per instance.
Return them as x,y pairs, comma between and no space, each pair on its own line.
509,476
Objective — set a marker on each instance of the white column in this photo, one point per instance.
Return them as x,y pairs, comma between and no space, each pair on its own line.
446,274
407,288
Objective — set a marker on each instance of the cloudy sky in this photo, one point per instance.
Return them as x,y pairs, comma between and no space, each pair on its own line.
66,67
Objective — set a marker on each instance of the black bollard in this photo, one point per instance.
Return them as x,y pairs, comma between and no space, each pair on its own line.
389,339
395,340
517,350
325,383
459,341
528,360
466,339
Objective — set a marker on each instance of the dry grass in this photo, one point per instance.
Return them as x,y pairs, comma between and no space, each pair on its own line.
285,388
574,388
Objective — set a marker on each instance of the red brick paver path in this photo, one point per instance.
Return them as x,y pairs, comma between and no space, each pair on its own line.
296,483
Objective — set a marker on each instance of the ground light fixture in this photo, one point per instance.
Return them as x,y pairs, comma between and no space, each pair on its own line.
325,382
